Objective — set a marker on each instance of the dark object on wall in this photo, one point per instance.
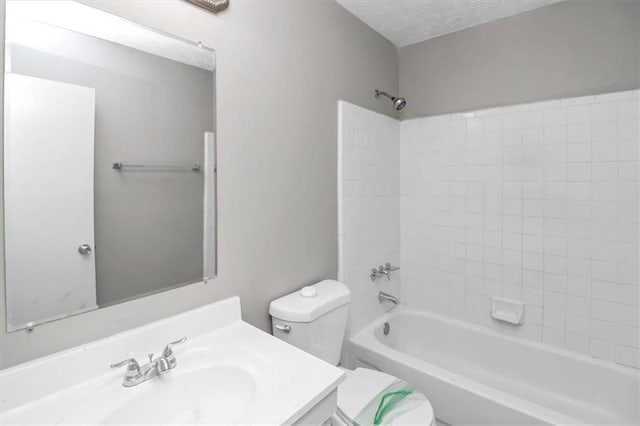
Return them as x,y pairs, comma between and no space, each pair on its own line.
214,6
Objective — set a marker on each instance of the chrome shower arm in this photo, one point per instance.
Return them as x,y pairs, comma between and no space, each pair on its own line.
398,103
378,93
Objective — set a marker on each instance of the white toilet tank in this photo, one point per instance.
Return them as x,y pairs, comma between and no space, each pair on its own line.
313,318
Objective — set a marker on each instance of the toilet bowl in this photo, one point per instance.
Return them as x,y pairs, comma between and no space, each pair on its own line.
315,319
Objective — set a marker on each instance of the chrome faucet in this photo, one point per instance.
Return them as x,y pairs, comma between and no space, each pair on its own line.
161,365
383,270
137,374
380,271
386,297
168,355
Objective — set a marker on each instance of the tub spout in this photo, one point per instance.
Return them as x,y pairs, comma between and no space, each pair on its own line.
386,297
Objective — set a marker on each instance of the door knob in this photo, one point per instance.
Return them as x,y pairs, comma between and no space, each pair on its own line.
84,249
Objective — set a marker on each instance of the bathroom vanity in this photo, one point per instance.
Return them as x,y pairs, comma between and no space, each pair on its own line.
227,371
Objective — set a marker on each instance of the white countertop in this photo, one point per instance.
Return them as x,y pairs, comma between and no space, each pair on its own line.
275,382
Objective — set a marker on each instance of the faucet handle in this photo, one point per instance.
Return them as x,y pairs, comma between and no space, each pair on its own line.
168,355
167,349
389,267
382,270
133,368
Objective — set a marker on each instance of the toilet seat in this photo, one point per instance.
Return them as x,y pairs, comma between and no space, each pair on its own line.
363,385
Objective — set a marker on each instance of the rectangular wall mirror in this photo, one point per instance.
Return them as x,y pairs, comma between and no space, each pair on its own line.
109,161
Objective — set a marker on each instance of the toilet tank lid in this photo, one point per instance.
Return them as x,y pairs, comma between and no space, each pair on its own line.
305,306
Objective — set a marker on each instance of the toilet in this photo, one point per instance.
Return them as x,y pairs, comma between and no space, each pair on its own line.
315,319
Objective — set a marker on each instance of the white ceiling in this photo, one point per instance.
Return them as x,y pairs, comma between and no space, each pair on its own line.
405,22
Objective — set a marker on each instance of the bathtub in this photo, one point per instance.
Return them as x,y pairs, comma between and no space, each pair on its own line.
473,375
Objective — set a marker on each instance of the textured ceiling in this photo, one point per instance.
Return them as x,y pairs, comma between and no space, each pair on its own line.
405,22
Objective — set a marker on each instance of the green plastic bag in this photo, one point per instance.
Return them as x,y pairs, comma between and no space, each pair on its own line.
397,398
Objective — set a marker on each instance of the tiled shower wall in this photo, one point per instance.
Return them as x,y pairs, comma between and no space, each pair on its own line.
535,202
369,214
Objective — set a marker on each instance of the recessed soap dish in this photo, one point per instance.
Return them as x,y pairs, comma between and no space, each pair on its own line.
510,311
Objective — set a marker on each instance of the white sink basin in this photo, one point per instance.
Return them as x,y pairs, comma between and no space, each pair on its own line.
227,372
225,385
215,394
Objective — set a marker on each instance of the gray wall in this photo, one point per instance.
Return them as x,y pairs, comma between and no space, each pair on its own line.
281,67
148,226
572,48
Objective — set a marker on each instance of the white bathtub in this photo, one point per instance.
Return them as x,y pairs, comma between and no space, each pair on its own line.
473,375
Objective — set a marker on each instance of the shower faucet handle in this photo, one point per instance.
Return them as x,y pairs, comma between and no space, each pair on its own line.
385,270
389,267
379,271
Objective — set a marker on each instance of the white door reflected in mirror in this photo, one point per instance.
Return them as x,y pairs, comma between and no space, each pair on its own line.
48,199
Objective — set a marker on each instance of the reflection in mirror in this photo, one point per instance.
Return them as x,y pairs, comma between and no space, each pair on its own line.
109,161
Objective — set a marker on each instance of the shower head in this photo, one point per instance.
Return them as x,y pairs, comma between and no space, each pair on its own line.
398,103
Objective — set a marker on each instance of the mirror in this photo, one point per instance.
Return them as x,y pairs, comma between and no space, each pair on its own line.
109,161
